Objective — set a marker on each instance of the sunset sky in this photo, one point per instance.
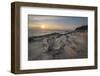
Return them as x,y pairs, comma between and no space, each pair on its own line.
55,22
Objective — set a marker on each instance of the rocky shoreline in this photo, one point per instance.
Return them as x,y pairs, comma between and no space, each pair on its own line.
69,45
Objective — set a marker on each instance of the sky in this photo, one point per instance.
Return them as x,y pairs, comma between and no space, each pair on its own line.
55,22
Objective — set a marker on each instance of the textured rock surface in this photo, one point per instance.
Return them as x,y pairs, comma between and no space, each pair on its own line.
58,46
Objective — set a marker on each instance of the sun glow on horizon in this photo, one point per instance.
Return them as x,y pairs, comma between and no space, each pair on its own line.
42,26
50,27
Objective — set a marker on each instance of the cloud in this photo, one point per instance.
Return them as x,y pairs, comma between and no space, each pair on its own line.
61,22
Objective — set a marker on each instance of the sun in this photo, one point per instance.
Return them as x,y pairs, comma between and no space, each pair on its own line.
43,26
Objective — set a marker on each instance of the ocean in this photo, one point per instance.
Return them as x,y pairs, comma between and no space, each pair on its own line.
43,32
